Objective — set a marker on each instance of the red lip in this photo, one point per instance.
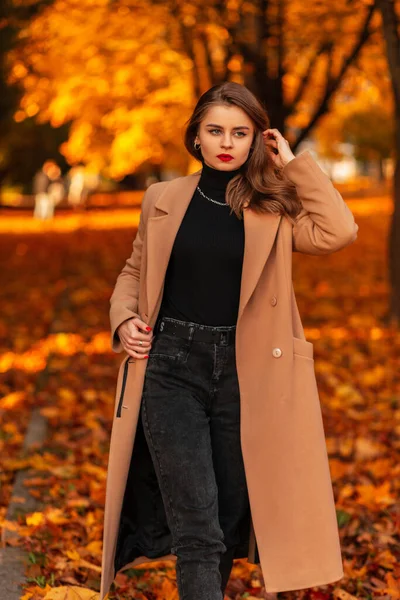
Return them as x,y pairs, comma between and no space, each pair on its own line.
225,157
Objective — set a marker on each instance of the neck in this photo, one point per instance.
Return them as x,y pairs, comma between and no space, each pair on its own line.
215,179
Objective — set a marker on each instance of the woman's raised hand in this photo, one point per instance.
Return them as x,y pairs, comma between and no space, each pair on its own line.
131,333
277,147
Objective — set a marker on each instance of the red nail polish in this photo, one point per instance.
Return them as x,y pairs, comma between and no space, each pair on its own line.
148,328
147,356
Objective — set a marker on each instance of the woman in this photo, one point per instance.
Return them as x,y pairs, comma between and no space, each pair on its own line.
217,448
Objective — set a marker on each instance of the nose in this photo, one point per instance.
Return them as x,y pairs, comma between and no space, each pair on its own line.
226,142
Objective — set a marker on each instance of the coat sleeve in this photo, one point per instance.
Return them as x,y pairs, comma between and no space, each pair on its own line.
325,223
124,300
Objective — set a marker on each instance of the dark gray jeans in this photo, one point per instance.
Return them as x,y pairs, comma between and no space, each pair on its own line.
191,419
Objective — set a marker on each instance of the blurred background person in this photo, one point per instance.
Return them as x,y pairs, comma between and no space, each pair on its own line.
78,190
41,183
56,189
48,189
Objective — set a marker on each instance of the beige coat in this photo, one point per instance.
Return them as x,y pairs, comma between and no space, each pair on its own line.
294,532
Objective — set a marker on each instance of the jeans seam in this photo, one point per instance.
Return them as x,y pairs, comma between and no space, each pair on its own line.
160,468
173,516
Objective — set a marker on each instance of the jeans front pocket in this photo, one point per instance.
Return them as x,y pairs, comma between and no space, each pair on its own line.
169,347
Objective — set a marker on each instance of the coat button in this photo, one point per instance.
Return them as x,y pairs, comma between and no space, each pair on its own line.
274,300
277,352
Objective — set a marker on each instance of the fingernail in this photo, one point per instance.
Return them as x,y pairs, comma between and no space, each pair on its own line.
147,356
148,328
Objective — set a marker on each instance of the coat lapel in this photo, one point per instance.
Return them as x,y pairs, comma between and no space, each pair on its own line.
259,230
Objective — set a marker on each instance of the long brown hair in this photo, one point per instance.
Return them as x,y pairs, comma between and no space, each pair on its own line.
260,185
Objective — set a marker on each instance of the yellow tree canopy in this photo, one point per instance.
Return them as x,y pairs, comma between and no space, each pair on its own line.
106,68
126,73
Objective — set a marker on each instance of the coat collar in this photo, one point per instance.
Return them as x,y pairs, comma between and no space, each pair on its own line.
260,231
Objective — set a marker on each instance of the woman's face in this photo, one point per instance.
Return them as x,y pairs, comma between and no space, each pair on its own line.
225,130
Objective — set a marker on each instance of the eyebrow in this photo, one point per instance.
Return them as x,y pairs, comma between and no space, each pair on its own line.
220,127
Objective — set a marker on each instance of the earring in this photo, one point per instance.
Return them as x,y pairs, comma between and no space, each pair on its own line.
196,147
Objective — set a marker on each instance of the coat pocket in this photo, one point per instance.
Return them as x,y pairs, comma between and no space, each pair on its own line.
303,348
128,361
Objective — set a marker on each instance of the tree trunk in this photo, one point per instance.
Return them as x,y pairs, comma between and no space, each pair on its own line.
393,315
390,31
381,171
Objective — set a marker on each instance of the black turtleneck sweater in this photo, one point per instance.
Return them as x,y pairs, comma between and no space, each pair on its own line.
203,277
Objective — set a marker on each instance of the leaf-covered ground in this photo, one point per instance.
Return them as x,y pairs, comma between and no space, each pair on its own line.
54,354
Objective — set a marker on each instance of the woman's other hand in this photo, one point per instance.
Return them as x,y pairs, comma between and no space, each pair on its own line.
278,147
133,331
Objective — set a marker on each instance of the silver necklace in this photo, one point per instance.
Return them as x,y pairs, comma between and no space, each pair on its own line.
211,200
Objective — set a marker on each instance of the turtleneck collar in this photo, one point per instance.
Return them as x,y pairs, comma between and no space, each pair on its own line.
215,179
